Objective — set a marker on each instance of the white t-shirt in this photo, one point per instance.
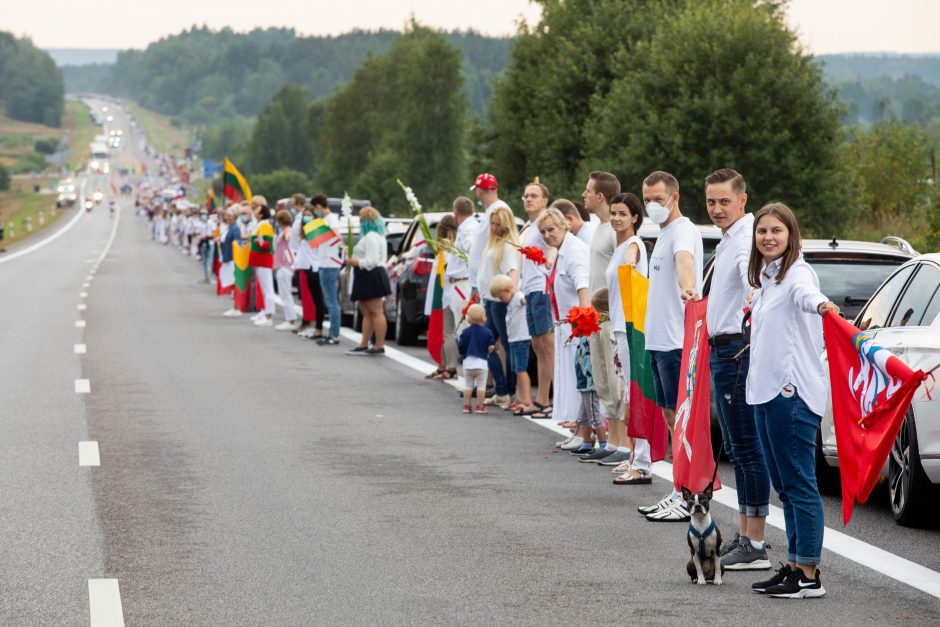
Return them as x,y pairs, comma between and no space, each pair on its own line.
586,232
618,320
488,269
602,246
475,363
516,327
480,238
665,311
534,277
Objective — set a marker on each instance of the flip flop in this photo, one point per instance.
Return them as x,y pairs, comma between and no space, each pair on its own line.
528,411
542,415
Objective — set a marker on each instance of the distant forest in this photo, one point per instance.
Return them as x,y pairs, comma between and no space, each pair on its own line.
31,88
200,74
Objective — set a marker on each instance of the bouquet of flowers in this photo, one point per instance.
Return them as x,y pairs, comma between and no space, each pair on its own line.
532,253
584,321
416,207
448,246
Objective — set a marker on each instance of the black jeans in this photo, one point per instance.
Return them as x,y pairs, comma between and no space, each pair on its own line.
313,282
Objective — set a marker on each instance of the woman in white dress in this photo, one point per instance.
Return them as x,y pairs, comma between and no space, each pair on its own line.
568,282
626,216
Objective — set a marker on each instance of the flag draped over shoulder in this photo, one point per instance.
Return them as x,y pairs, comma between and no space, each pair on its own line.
692,461
262,246
234,185
646,420
240,256
318,232
436,319
871,392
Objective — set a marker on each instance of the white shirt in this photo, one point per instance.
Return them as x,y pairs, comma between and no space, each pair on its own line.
328,252
480,238
586,232
488,269
371,251
475,363
665,312
457,268
602,244
727,297
305,258
534,276
516,327
786,338
618,321
572,273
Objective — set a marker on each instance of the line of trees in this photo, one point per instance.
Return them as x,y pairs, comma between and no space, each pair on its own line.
32,88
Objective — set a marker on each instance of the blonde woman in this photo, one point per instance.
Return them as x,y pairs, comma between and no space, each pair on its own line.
499,257
370,281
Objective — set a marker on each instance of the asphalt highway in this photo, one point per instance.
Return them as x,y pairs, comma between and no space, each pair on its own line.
248,477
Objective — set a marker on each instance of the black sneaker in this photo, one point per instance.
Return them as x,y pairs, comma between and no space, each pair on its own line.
584,450
327,341
616,459
376,351
797,586
597,455
359,350
727,547
762,586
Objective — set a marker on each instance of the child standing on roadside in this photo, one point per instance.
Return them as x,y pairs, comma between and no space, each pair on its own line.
517,331
475,344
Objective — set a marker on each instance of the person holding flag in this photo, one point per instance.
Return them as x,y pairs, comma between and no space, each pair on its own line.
442,339
305,264
786,384
457,270
330,262
725,199
261,258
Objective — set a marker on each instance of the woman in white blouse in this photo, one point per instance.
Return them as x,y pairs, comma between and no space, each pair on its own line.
499,257
370,281
568,283
786,385
626,216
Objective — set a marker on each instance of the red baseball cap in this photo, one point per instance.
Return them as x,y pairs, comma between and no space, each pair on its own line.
486,182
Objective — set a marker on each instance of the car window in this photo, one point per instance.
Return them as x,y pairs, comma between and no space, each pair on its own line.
932,310
913,305
849,280
875,314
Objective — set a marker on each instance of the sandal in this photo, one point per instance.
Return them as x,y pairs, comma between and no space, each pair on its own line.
528,411
641,477
434,375
543,414
621,469
568,425
449,373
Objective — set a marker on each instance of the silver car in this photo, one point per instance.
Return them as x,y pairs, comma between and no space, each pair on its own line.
903,317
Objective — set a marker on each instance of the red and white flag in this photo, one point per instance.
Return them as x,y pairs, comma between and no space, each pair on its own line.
871,391
693,464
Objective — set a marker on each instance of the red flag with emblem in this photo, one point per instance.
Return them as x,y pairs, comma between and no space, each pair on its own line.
692,462
871,392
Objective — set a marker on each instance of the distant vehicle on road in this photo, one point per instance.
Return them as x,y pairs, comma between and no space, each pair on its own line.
67,194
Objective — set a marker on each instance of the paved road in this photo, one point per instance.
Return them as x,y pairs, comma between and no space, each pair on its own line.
250,478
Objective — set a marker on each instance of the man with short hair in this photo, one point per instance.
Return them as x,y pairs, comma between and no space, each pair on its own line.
579,223
538,309
675,265
330,262
725,199
486,189
457,272
601,187
318,204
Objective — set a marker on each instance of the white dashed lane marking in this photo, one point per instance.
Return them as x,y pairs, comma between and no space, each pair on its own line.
80,349
83,295
79,324
82,307
88,454
104,603
82,386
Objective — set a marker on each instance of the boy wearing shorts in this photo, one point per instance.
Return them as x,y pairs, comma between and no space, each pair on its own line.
475,344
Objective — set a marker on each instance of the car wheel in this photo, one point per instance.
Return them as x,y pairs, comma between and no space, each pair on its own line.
908,485
828,479
405,334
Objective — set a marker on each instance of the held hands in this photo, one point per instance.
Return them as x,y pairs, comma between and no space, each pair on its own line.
690,294
826,307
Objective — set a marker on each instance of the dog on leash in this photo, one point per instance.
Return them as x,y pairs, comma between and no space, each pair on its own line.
704,539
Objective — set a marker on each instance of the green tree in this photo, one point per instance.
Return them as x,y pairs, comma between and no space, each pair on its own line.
723,84
4,178
226,137
32,88
280,184
279,139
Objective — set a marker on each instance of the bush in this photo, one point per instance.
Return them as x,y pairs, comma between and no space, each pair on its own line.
46,146
4,178
280,184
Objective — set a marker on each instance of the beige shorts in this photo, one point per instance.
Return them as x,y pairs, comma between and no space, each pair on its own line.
475,378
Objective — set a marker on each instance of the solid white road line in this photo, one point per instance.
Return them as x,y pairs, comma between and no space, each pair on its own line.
82,307
104,603
82,386
45,242
88,454
80,349
79,324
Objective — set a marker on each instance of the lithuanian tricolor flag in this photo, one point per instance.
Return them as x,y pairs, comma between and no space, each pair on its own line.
436,321
240,256
646,420
318,232
234,185
262,252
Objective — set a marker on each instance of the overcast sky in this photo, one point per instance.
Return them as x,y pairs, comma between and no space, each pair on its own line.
824,25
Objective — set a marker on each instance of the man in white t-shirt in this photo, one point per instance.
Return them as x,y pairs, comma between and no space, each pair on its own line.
486,189
579,221
675,265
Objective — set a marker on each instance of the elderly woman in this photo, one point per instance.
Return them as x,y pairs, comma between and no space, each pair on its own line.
370,281
568,287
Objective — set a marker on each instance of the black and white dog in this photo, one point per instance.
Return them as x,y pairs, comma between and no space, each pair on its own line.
704,539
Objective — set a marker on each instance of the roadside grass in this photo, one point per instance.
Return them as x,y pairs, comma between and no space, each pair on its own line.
160,130
17,141
22,207
81,131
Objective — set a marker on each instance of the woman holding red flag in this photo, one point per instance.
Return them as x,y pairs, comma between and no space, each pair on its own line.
261,258
786,385
568,283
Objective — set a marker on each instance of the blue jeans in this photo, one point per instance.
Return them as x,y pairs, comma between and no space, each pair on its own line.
329,282
505,382
787,430
738,429
207,250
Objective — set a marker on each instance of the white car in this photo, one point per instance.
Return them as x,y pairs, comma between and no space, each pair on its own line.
903,317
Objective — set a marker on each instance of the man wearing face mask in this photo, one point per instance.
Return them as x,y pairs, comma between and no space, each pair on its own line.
305,260
485,187
675,266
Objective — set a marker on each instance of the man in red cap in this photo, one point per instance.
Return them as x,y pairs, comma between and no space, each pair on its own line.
485,188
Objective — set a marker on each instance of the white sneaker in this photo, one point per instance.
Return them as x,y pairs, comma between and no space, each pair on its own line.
563,442
308,334
664,503
264,322
573,443
232,313
257,316
498,401
284,326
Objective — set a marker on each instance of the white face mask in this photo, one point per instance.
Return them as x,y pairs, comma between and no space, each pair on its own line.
657,212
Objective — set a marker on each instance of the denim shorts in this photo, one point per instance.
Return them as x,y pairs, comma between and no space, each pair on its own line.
538,313
519,355
666,366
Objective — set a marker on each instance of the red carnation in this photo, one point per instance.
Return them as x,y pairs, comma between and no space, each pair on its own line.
584,321
534,254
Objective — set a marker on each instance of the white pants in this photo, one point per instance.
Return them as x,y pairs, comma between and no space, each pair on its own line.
284,277
641,450
567,400
265,278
